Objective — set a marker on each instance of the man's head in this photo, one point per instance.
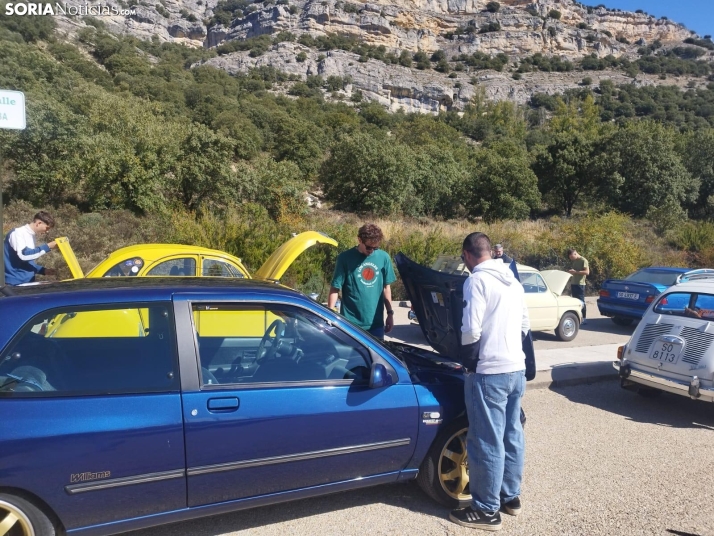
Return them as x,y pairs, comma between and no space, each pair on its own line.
370,236
42,222
476,249
573,254
498,251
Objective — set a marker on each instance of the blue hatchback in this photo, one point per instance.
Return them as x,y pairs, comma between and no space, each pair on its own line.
129,403
626,300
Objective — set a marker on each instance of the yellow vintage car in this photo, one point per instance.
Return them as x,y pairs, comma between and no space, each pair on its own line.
162,260
175,260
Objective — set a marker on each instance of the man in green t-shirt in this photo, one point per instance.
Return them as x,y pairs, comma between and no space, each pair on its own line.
364,274
580,269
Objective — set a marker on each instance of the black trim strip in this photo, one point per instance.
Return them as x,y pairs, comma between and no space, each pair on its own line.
231,466
125,481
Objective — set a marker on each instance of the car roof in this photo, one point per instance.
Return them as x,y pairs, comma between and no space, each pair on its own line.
160,250
665,269
700,285
120,286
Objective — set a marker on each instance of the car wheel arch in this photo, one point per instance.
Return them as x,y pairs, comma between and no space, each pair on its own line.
37,502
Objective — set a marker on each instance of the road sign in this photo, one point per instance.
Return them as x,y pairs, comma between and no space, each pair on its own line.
12,109
12,116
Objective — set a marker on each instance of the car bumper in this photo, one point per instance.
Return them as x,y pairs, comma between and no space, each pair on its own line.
626,311
691,389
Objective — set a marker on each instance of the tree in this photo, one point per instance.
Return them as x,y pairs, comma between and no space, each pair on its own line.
697,153
493,7
642,157
567,170
367,173
501,184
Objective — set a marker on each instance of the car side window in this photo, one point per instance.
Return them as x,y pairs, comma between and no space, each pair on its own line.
185,266
533,283
243,344
126,268
92,351
216,268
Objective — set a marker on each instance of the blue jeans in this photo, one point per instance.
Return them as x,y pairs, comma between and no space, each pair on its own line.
377,332
578,292
495,442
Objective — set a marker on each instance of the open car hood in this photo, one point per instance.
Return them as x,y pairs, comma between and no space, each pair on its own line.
69,257
283,257
556,280
437,299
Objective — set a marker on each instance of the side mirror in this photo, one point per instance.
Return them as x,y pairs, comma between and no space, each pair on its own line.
379,377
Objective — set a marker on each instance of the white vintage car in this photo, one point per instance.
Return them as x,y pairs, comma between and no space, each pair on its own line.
548,309
671,349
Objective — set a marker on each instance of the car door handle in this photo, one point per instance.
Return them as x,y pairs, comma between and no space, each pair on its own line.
230,403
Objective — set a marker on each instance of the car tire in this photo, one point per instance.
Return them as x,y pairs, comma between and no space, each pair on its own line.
568,327
622,321
29,519
452,493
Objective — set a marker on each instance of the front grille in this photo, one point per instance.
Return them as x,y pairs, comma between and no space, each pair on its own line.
649,334
697,345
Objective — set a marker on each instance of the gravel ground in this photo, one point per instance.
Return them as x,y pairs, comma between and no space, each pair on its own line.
600,460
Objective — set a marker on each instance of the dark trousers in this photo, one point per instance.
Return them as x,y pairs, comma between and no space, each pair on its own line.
578,291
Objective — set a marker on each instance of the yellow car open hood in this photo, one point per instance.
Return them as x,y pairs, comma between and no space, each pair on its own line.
69,257
283,257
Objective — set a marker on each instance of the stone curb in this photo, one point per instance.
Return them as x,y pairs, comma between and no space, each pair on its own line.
573,374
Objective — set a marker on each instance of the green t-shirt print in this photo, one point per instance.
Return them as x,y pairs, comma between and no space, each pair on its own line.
579,265
362,279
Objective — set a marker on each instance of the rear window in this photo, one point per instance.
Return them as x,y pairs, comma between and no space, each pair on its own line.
687,304
658,278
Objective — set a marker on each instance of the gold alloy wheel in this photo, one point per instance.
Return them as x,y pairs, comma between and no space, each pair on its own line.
454,467
14,522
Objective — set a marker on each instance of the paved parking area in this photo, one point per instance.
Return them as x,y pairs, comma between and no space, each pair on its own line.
600,461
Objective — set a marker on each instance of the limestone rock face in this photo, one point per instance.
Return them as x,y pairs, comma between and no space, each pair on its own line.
519,28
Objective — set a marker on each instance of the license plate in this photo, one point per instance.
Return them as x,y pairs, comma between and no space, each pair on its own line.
628,295
666,352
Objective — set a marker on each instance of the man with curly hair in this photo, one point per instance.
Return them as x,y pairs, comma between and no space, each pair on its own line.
364,274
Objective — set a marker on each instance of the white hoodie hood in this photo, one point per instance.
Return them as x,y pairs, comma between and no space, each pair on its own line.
498,269
495,314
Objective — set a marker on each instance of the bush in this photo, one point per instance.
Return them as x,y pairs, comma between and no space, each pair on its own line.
587,81
554,14
493,7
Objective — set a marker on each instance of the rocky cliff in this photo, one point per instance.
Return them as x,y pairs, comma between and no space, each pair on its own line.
517,28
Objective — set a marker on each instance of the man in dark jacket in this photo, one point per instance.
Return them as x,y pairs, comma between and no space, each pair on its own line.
499,254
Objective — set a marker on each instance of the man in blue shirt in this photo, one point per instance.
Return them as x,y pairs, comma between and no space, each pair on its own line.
20,253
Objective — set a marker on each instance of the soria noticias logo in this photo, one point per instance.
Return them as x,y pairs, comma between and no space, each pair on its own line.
96,10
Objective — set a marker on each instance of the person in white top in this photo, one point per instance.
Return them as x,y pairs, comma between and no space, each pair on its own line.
20,253
495,322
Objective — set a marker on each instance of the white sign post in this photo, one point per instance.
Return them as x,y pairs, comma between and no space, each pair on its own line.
12,116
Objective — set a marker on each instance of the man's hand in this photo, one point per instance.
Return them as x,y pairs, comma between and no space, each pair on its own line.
389,324
572,271
52,245
50,271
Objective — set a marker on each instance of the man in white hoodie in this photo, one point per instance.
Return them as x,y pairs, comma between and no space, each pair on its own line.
495,321
20,253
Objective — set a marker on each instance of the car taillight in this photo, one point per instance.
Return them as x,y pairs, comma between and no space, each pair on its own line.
620,352
649,299
604,293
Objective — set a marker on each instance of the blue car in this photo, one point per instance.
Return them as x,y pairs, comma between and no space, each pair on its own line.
626,300
128,403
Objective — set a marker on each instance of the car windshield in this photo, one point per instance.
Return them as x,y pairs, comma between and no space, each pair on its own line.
653,276
689,304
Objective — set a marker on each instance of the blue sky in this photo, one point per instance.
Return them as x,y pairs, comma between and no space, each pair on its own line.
697,15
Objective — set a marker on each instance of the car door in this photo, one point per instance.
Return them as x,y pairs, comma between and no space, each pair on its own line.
91,417
293,409
542,303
